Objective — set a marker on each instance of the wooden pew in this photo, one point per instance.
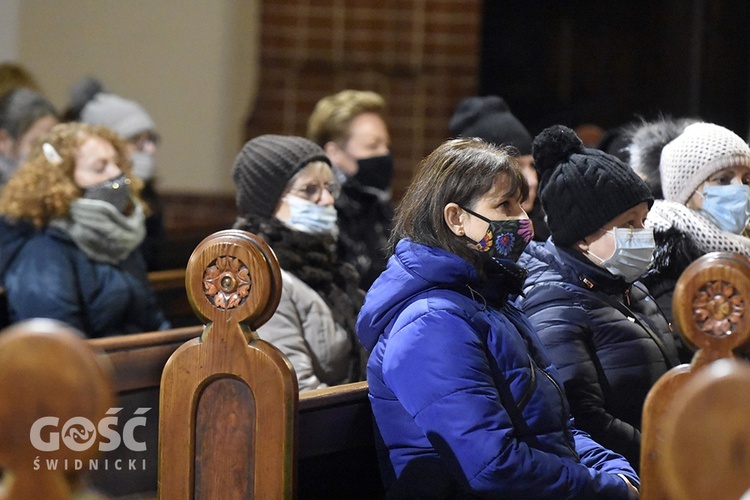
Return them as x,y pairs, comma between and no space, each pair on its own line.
695,434
333,455
54,392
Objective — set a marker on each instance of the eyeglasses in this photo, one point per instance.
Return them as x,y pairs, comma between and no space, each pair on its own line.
314,191
142,141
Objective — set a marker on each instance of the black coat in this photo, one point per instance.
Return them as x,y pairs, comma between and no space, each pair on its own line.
608,360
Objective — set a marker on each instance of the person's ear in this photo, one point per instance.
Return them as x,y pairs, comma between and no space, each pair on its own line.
582,246
333,152
454,217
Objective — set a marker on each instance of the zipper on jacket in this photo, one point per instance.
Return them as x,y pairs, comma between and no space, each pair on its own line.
532,384
565,417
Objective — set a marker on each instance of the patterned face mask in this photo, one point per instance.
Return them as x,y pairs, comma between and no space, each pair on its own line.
504,239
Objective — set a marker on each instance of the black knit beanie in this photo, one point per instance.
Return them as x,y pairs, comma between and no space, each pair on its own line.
264,167
582,188
490,119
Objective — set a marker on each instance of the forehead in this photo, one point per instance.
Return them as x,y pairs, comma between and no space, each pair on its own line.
735,170
367,124
95,145
501,188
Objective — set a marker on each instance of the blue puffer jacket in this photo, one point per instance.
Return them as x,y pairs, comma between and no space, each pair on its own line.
607,360
463,395
50,277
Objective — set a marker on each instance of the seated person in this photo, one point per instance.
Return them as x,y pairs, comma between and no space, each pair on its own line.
91,103
705,177
25,115
466,400
490,119
351,128
602,330
81,265
285,195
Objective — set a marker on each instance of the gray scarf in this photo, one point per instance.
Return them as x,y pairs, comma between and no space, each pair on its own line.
102,232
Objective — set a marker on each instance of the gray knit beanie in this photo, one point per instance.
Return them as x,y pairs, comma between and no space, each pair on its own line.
699,152
264,167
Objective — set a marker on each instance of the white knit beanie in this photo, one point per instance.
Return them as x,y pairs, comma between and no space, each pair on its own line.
699,152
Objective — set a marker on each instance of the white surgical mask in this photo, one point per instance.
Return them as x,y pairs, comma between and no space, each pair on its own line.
143,165
310,217
727,206
634,250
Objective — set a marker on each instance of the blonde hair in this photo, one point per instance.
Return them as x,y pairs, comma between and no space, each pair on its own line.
42,189
333,114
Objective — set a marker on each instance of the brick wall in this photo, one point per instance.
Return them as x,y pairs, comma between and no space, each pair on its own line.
421,55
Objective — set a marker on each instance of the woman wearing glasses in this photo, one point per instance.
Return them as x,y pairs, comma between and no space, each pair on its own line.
285,194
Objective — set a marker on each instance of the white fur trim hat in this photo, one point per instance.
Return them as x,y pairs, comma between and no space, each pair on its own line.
699,152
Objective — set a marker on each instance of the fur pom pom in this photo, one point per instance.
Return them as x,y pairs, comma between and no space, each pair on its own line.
552,146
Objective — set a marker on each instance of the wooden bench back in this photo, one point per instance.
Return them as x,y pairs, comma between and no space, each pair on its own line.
228,399
53,394
695,441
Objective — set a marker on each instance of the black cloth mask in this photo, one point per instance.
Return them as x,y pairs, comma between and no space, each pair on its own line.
376,172
115,191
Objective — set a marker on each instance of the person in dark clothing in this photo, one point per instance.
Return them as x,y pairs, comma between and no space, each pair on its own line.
350,127
81,263
490,119
602,329
465,399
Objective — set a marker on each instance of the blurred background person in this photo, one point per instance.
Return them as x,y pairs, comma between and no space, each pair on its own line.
15,76
82,265
351,129
25,115
490,119
285,195
91,103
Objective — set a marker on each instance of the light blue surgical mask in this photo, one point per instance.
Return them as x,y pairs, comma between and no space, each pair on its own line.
634,250
727,206
310,217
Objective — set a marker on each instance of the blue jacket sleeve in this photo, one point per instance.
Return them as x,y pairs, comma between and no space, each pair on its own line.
437,368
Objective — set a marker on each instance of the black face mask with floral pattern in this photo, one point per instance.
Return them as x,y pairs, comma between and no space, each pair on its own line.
504,239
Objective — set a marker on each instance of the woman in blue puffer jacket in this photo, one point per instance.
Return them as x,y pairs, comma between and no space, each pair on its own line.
603,331
464,397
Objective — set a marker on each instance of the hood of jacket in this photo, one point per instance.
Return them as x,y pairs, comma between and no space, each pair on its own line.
415,268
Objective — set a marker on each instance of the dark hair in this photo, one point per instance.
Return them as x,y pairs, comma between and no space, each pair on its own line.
20,109
458,171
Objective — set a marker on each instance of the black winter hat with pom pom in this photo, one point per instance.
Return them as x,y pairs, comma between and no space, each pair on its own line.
582,188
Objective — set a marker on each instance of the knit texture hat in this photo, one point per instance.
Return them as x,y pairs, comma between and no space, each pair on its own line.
582,188
490,119
695,155
264,167
126,117
91,103
647,140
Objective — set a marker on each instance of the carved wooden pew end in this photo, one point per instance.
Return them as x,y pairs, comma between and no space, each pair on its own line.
228,399
682,415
